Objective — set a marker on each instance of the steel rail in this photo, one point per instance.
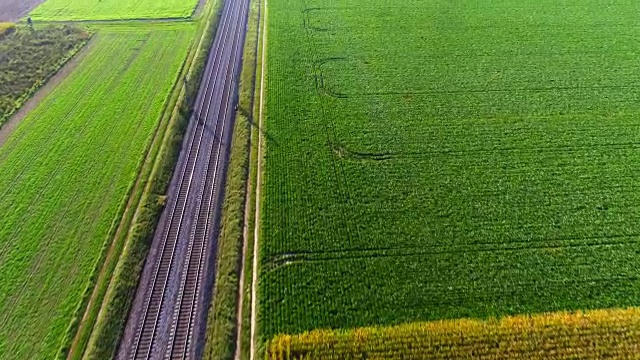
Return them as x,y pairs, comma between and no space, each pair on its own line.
143,343
181,331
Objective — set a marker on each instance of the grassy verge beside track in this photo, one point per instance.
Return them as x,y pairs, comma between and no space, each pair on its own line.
101,340
597,334
222,321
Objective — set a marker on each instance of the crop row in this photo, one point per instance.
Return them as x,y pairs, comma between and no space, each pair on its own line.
599,334
65,175
385,288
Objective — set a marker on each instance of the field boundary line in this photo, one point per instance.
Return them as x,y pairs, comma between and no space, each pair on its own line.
254,281
246,211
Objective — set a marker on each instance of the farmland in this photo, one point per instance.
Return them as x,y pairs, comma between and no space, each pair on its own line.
433,160
66,10
65,174
597,334
29,58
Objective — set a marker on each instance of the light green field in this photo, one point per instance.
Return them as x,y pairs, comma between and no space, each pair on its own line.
68,10
65,174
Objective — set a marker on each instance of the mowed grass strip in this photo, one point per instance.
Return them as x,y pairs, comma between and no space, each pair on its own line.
65,174
432,160
598,334
72,10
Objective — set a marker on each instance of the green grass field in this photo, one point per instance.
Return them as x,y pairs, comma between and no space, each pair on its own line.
65,173
438,159
70,10
30,58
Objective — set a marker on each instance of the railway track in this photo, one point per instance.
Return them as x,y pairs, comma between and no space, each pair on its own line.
169,305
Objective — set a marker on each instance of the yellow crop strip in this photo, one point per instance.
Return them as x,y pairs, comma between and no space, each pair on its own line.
6,28
595,334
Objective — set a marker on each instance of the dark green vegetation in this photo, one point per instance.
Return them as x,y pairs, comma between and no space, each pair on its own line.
65,176
438,159
29,58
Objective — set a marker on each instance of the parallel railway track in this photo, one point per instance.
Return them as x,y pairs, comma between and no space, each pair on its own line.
163,324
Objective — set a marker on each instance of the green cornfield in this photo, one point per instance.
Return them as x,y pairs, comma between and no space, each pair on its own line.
65,174
443,159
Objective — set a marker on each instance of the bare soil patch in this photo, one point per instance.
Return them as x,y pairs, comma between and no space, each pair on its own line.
14,10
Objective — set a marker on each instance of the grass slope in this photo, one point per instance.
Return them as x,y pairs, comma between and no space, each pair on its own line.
65,174
438,159
71,10
29,58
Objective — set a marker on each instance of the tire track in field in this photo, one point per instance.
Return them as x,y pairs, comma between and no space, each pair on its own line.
343,183
343,197
276,261
484,91
47,245
256,233
39,264
104,205
123,160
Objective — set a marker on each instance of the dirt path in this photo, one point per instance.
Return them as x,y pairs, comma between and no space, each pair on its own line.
198,9
245,227
243,262
254,281
46,89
